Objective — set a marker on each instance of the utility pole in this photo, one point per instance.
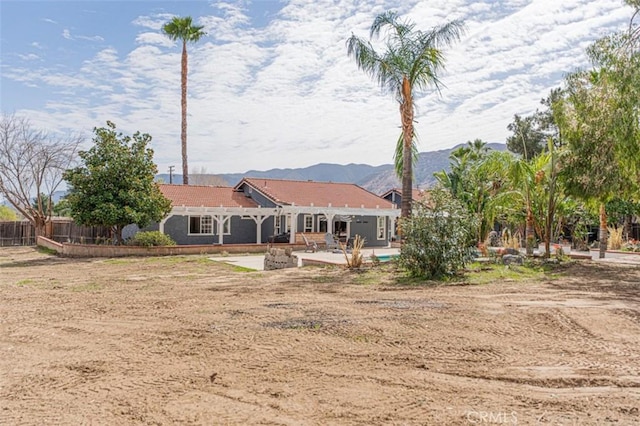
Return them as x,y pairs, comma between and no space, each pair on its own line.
171,175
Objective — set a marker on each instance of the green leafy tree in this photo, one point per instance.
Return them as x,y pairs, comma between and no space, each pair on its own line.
475,177
8,214
114,186
622,211
61,208
183,29
411,61
531,133
527,139
600,125
438,239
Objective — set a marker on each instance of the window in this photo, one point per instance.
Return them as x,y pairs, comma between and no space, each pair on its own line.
322,224
200,225
381,227
277,225
308,223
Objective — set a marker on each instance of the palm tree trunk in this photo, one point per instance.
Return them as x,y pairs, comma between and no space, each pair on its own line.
603,231
183,104
529,232
406,112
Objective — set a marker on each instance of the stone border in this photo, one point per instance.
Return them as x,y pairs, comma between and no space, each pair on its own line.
99,250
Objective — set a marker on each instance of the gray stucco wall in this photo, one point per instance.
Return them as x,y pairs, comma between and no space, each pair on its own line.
366,226
243,231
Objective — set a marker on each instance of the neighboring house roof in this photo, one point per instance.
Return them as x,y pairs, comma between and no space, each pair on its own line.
317,194
205,196
416,194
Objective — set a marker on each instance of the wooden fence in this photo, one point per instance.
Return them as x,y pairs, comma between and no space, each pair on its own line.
63,231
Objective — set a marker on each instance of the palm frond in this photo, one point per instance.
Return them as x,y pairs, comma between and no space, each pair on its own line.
397,154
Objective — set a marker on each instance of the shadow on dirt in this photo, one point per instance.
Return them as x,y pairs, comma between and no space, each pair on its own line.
43,260
606,282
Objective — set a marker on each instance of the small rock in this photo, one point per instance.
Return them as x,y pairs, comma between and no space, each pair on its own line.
512,259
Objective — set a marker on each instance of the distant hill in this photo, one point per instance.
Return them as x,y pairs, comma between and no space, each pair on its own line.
377,179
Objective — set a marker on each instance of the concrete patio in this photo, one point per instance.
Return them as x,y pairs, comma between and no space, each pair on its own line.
307,258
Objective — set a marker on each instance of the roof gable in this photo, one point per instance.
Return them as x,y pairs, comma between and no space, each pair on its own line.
205,196
416,194
318,194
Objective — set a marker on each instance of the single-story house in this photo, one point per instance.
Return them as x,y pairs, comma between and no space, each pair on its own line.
257,208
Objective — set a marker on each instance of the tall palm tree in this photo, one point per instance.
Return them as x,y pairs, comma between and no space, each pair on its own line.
411,61
183,29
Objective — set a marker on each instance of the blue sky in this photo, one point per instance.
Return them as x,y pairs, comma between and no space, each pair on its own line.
271,84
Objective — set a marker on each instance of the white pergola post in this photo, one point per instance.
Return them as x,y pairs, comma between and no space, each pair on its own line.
258,219
294,227
220,221
162,222
329,217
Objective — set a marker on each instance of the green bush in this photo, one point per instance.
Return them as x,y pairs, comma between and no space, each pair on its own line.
438,240
151,238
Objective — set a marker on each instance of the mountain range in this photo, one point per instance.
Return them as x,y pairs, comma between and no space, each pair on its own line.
376,179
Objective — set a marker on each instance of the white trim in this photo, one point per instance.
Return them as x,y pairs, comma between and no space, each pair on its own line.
226,222
189,233
381,225
304,223
291,211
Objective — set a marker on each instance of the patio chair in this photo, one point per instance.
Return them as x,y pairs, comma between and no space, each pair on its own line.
309,245
330,241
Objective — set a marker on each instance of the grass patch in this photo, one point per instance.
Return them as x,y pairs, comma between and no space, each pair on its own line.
370,277
117,261
46,250
488,273
237,268
24,282
323,279
484,273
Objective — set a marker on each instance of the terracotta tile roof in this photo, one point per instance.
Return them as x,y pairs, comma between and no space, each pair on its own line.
318,194
206,196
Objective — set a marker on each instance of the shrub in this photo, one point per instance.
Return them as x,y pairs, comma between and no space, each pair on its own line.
438,240
151,238
614,242
510,240
356,253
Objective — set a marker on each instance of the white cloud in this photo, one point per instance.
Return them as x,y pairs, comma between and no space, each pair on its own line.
90,38
286,94
29,57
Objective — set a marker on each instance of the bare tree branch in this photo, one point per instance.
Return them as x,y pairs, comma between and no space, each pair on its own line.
31,167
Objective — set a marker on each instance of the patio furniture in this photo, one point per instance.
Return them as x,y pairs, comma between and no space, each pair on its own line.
280,238
330,241
309,245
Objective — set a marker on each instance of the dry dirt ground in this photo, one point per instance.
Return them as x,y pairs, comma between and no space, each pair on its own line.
185,340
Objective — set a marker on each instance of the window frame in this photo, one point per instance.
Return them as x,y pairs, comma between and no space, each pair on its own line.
381,225
306,228
201,225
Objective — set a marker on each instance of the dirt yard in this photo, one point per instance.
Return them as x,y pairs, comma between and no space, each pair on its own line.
185,340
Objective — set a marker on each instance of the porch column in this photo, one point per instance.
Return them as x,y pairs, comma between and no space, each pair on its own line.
294,227
329,218
392,220
258,219
162,222
220,220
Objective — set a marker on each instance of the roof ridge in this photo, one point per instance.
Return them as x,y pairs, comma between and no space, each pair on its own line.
303,181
